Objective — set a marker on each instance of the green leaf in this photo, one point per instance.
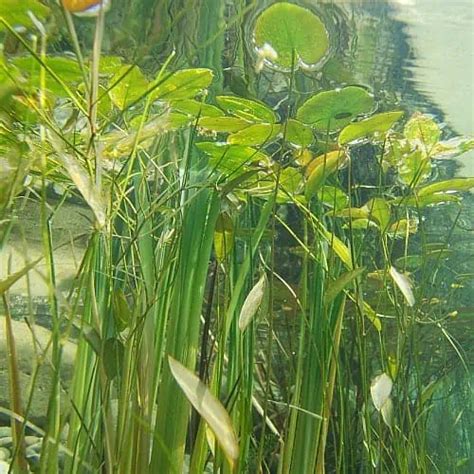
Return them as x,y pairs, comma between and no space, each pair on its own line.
209,407
333,197
121,310
112,357
290,29
325,165
376,126
130,87
66,69
223,236
252,302
332,110
414,168
448,186
223,124
372,316
183,84
336,286
15,12
196,108
430,199
379,211
250,110
258,134
232,158
10,280
422,129
298,134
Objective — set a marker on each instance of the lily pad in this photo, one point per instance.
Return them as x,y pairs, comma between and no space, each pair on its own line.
246,109
295,33
377,125
257,134
298,134
330,163
332,110
196,108
223,124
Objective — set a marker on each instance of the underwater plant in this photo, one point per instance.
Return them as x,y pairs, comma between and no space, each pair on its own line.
236,259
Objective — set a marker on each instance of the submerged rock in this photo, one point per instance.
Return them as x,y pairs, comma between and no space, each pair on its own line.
31,357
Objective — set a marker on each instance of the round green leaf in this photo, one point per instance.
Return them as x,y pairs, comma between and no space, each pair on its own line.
290,29
332,110
423,129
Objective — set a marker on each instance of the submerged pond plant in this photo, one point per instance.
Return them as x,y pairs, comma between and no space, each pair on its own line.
235,261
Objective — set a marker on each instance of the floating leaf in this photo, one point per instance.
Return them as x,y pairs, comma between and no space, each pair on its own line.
376,126
423,130
298,134
404,285
380,390
250,110
15,12
223,236
130,86
253,302
448,186
332,110
258,134
335,287
183,84
232,158
196,108
292,32
207,405
321,168
223,124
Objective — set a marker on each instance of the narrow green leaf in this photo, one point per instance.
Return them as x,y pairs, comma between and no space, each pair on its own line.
223,236
209,407
10,280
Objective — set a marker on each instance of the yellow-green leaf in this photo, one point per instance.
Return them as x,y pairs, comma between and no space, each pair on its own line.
247,109
223,236
252,303
257,134
209,407
376,127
